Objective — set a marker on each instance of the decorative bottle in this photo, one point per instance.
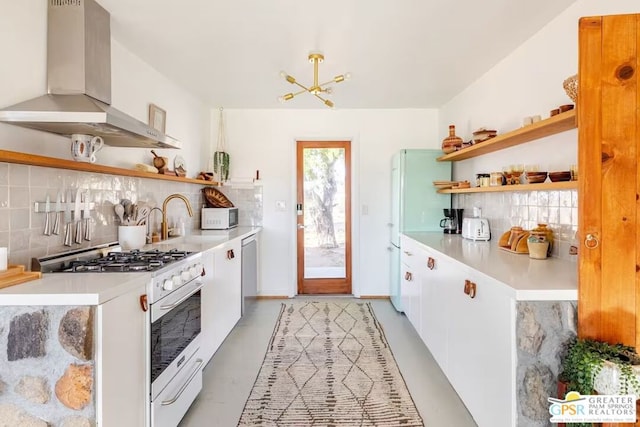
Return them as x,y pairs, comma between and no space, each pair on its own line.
452,142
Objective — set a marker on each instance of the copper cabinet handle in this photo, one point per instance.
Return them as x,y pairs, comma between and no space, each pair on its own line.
408,276
230,254
431,263
472,290
144,302
467,286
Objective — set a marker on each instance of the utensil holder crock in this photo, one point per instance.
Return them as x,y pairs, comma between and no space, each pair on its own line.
132,236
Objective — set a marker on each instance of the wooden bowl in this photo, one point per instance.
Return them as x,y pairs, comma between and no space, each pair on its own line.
536,179
560,176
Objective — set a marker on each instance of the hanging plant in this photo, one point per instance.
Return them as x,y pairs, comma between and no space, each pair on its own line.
221,165
221,160
584,360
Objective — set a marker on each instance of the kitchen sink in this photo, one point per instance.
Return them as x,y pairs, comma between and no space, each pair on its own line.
189,242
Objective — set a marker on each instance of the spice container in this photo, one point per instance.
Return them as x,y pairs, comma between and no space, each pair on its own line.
482,180
495,179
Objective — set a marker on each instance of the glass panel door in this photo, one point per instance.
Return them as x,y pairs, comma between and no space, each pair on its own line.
323,217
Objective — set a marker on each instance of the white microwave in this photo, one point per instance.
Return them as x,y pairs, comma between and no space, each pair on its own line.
218,218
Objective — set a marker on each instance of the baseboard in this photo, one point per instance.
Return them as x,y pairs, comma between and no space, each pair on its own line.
374,296
272,297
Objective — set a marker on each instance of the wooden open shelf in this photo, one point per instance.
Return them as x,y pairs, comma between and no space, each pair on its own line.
551,126
544,186
51,162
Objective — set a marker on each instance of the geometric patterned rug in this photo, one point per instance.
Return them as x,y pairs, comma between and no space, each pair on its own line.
329,364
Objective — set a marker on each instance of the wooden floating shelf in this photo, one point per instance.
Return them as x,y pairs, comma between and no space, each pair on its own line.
544,186
52,162
551,126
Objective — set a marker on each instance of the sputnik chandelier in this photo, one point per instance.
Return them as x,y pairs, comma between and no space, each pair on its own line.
317,89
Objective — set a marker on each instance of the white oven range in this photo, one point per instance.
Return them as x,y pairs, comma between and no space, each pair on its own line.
175,365
174,369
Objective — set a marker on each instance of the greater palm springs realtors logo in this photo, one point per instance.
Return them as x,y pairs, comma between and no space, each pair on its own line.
593,408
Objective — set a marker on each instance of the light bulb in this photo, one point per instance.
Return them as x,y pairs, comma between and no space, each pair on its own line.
347,76
285,97
283,74
328,90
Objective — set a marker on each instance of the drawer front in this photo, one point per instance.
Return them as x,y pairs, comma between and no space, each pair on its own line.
173,402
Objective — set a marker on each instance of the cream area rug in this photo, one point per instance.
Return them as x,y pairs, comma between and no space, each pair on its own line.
329,364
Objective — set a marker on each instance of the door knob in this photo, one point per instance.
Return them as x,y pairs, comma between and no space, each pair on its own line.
591,241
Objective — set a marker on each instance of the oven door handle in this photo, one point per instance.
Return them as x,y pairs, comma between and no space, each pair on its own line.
184,386
181,300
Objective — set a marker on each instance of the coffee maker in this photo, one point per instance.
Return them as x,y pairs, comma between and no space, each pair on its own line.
452,221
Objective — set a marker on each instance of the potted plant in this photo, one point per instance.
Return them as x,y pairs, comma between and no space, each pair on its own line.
221,157
586,359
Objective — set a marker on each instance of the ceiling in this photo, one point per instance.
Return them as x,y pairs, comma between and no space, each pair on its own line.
402,54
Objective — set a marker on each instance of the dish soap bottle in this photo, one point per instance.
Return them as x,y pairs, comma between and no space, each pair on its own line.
181,227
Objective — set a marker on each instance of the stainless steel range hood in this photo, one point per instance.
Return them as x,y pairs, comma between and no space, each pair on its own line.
79,82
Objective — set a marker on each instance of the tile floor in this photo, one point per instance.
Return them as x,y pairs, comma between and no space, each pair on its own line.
230,374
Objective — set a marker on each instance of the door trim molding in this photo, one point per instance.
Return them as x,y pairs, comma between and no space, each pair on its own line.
347,144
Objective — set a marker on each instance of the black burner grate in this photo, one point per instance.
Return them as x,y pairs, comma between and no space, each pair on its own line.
131,261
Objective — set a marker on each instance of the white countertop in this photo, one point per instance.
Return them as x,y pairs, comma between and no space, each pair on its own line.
524,278
97,288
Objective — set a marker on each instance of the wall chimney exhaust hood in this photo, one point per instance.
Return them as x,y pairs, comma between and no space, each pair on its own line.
79,82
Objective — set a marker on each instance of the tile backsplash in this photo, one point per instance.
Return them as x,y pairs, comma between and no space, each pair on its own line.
21,229
557,209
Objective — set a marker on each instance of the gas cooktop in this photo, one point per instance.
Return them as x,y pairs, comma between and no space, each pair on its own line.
107,259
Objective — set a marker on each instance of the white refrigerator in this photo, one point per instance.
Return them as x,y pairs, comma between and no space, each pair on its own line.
415,205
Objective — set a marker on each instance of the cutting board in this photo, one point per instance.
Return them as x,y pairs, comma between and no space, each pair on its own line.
15,274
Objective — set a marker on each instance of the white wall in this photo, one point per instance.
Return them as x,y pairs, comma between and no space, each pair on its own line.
135,84
525,83
264,140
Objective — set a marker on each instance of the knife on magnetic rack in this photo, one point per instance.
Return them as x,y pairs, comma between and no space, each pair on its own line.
56,217
76,217
47,224
87,217
68,238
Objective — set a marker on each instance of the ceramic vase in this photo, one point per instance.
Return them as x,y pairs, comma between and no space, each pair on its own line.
452,142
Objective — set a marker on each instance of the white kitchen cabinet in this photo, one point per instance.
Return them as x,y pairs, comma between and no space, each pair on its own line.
472,339
410,286
439,276
221,294
481,349
122,360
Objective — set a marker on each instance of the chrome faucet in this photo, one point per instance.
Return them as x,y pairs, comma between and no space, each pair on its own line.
164,225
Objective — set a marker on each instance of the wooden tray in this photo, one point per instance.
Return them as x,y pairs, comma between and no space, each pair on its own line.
15,275
504,248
